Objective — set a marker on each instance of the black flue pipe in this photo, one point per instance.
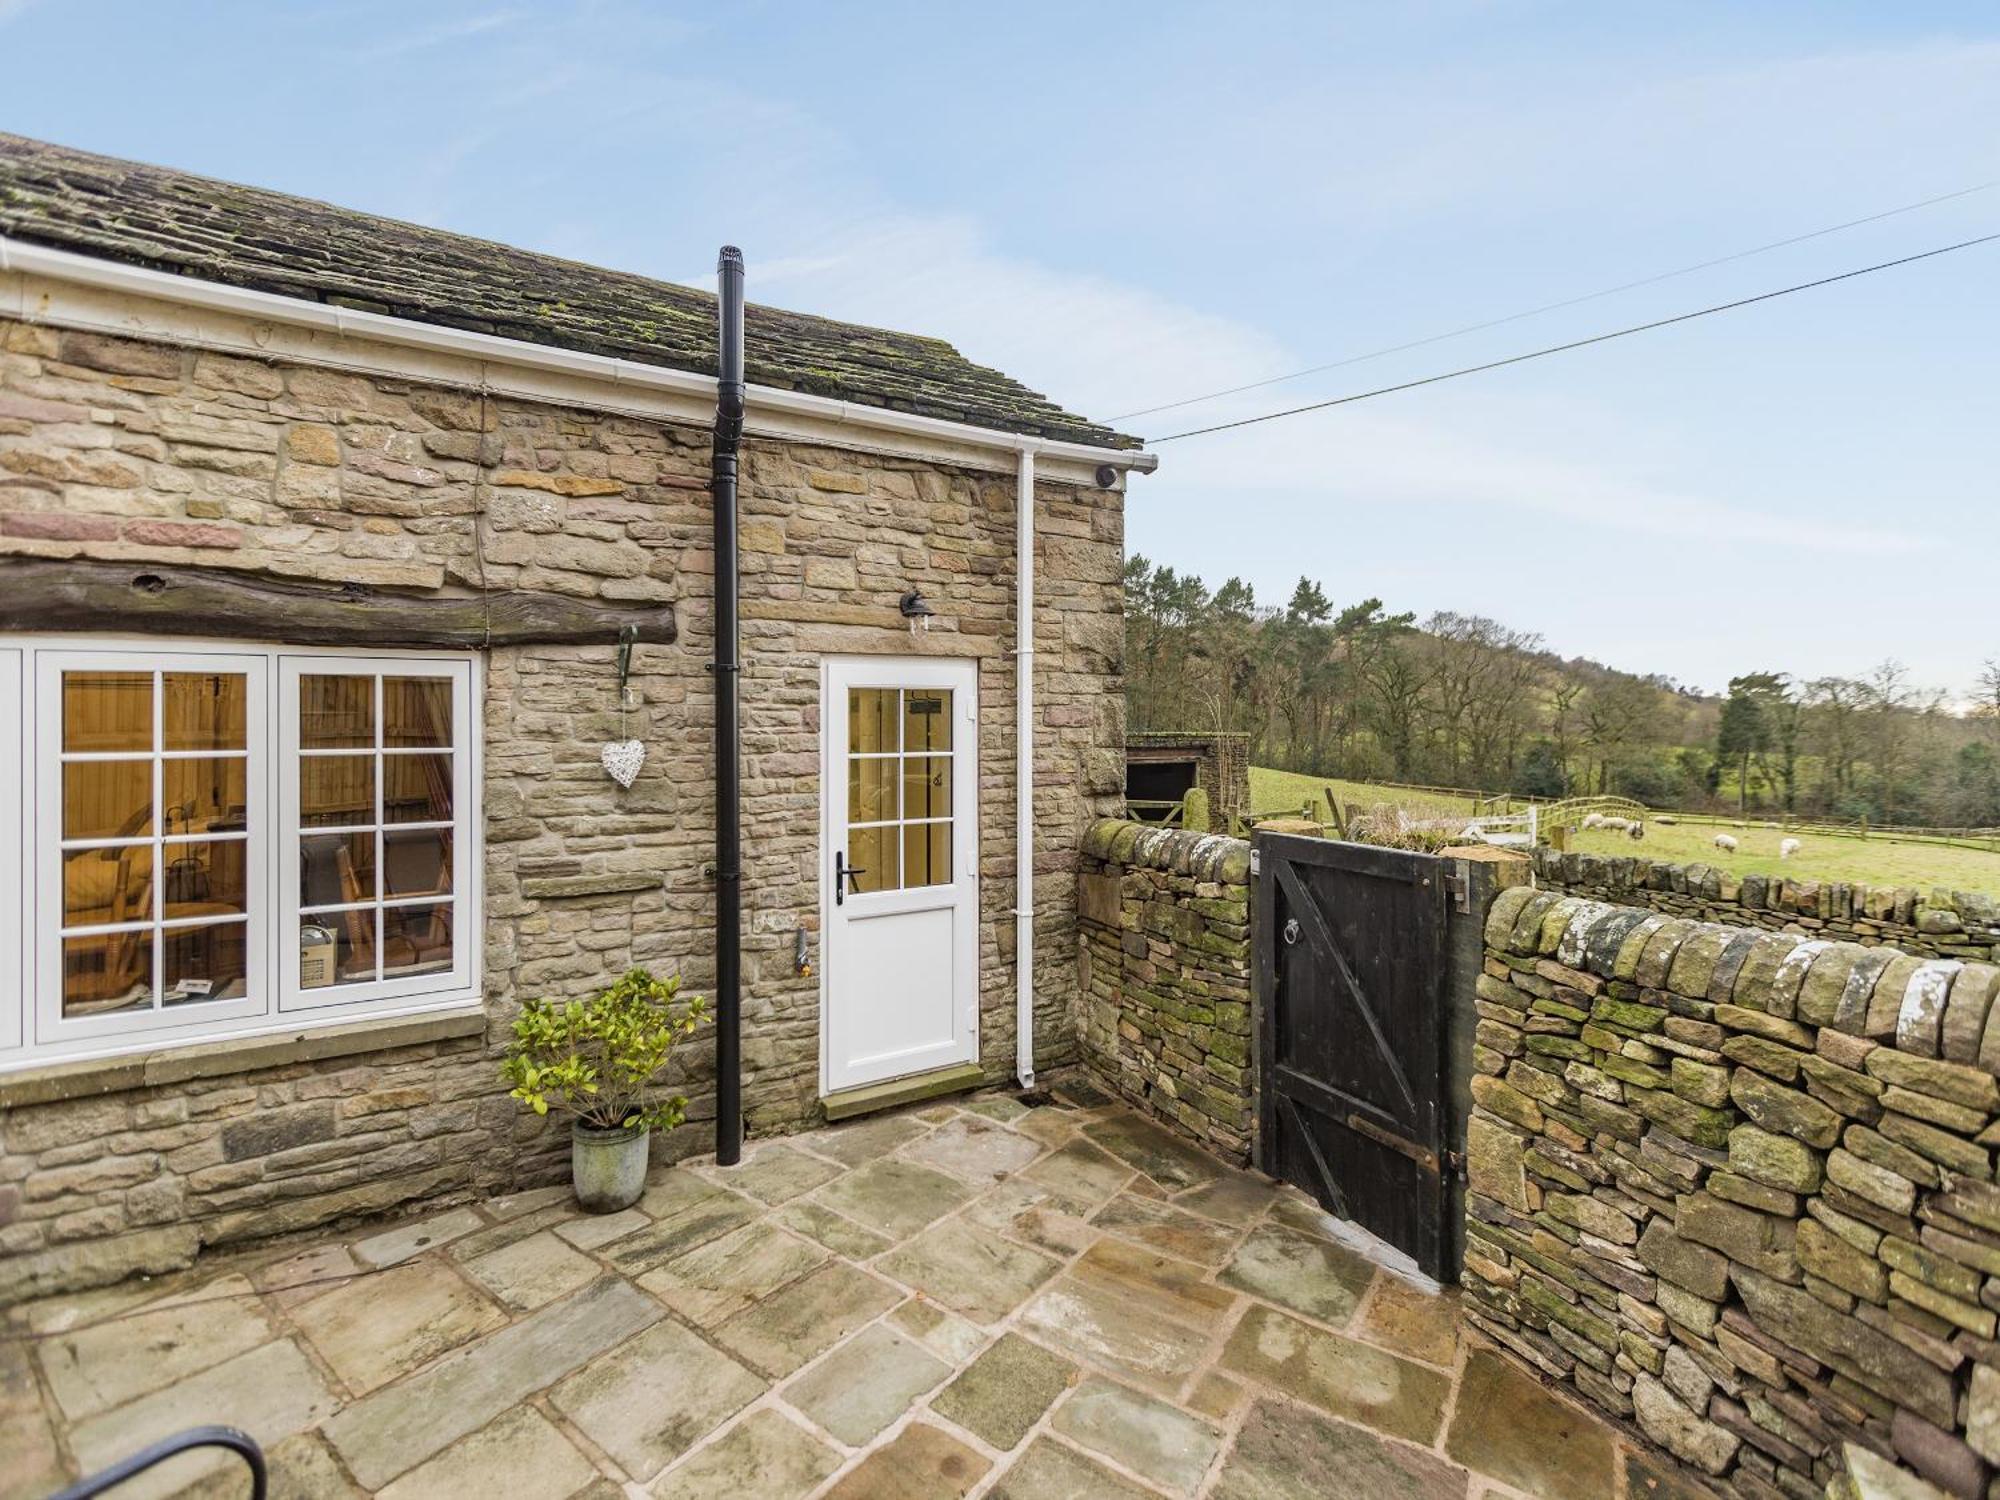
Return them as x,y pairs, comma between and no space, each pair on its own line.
728,670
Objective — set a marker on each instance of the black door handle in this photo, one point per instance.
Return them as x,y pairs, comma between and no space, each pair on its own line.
842,873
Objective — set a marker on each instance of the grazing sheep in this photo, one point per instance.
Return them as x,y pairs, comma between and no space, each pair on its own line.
1726,843
1788,847
1593,820
1636,831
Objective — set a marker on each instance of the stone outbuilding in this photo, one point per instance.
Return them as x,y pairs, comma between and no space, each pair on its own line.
320,536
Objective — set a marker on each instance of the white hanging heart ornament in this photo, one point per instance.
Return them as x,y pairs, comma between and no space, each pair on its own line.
622,758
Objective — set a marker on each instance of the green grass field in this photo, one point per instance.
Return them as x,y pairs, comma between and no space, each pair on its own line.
1876,860
1273,791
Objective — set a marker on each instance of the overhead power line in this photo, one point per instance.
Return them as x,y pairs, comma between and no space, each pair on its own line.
1600,338
1549,307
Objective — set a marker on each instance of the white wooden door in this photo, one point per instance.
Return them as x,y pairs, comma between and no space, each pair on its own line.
899,868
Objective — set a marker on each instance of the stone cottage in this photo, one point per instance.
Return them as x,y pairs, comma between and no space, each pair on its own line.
320,536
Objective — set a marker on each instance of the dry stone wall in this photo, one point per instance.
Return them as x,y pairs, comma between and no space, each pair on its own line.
118,449
1936,923
1739,1186
1163,961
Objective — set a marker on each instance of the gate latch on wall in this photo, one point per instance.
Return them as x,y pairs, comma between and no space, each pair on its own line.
1458,885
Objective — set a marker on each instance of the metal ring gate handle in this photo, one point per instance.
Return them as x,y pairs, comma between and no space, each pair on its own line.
1291,930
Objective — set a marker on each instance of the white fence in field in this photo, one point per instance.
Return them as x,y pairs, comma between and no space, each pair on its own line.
1517,830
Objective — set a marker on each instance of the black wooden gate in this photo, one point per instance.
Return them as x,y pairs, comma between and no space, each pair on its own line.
1350,975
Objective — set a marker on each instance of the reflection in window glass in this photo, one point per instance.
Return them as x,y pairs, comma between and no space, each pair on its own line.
416,862
926,720
871,790
107,972
107,799
204,796
926,854
203,710
336,869
336,791
336,712
415,940
208,962
105,712
204,878
416,788
416,713
872,860
871,721
927,787
102,886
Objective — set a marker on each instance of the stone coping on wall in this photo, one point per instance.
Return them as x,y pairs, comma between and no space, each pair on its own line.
1937,922
1203,856
1739,1186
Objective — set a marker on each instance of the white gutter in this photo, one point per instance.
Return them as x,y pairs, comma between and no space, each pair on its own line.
85,270
1024,771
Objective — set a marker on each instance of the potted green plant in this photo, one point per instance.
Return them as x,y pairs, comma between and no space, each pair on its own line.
600,1061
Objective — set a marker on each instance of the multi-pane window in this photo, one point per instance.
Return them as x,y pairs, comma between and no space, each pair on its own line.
375,809
899,788
154,837
208,837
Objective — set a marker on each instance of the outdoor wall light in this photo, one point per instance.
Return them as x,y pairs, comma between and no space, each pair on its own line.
917,610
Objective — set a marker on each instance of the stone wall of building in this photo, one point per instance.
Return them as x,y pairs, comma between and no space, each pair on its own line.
1739,1186
118,449
1163,966
1936,923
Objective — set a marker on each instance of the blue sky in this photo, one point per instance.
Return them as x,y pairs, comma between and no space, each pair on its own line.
1127,204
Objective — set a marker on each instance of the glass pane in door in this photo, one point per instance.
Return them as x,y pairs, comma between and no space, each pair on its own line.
926,854
871,721
926,720
871,860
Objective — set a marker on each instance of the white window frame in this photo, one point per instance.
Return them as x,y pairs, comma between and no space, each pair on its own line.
13,850
33,1030
291,758
51,1026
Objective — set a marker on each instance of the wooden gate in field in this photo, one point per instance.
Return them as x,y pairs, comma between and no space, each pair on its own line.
1349,963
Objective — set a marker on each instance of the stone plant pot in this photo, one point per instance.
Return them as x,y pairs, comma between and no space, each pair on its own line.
608,1166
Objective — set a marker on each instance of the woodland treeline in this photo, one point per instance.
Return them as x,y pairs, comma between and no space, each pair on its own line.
1356,692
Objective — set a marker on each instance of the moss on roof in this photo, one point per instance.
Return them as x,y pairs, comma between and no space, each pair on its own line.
248,237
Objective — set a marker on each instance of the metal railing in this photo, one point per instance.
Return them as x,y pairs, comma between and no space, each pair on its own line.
240,1443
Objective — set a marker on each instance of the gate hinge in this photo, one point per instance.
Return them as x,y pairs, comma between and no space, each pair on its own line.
1454,1163
1458,884
1256,861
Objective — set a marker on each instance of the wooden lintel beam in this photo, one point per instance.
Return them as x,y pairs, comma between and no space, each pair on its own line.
161,599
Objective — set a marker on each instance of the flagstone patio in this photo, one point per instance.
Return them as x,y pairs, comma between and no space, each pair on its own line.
969,1299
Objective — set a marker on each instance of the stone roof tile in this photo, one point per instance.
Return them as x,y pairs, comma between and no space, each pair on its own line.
296,247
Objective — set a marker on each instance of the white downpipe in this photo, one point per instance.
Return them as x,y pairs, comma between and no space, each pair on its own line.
1024,772
18,256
